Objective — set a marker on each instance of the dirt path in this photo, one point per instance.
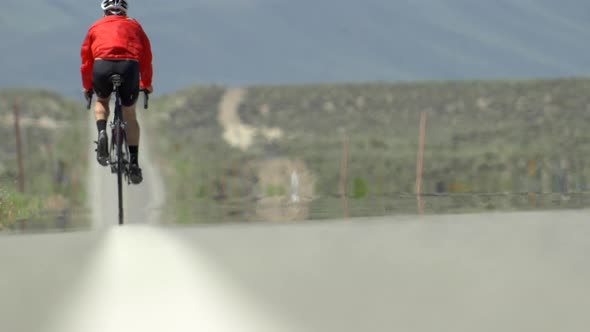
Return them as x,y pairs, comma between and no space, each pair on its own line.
236,133
281,199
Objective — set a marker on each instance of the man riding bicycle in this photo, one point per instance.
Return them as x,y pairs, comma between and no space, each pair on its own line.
117,44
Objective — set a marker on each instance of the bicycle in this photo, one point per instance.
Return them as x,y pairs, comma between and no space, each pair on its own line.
119,150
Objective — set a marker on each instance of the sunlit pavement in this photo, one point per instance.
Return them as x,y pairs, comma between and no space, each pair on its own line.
143,279
508,272
495,272
36,272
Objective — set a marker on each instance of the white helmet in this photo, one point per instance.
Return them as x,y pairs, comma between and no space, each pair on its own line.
117,7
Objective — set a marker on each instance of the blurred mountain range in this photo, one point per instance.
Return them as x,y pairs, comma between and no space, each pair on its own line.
280,41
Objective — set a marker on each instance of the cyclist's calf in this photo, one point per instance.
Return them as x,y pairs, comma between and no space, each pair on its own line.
133,130
101,108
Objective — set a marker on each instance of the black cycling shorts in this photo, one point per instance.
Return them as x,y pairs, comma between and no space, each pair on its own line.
101,79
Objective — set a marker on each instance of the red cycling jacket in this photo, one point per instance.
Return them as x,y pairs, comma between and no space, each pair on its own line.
116,37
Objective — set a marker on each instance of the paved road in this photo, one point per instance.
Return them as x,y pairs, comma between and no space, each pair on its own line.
505,272
498,272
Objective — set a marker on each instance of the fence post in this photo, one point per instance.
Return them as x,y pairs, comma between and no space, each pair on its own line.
294,187
343,171
19,152
420,161
564,170
531,171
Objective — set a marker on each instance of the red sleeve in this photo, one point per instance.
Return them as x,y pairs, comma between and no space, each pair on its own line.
145,62
87,61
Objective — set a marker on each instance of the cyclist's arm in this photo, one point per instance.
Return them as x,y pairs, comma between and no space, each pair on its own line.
145,63
87,62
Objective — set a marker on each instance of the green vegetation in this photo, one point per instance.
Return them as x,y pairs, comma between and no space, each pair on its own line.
54,161
15,206
481,134
489,146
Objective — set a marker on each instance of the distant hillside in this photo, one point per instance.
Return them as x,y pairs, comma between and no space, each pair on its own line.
281,41
490,145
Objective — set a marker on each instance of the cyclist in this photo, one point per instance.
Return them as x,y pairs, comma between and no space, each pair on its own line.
117,44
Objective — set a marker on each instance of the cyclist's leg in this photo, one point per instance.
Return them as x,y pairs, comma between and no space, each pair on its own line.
133,129
133,132
102,87
129,95
101,109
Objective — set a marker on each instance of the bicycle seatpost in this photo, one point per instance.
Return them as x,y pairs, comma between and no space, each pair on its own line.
117,81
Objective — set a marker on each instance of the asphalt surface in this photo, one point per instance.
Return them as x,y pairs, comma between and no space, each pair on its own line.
499,272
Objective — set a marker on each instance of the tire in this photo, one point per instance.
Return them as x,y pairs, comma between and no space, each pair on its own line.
120,170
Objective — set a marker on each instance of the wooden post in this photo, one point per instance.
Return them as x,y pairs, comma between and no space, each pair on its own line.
19,152
343,171
419,162
531,183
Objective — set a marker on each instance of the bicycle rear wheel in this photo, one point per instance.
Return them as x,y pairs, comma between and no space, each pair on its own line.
120,165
